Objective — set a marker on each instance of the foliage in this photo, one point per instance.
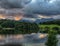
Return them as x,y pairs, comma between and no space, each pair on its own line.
52,40
17,27
27,27
45,28
56,22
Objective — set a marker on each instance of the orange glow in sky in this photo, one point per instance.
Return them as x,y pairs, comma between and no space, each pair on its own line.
2,16
18,18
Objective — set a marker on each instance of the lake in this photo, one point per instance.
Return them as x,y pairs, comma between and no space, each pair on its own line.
27,39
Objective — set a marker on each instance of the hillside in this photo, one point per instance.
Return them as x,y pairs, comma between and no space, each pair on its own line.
57,22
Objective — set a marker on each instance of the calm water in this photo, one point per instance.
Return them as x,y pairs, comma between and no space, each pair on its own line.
26,40
31,40
34,44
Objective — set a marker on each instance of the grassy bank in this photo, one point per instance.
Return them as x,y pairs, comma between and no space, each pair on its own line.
45,28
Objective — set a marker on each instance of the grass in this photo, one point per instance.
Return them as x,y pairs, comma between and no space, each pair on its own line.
50,26
45,28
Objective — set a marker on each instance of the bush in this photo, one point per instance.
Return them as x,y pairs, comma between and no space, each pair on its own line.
52,40
47,29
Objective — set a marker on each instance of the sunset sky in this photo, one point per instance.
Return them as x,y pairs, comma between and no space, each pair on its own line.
29,8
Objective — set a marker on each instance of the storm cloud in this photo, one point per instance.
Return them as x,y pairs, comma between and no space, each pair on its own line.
31,8
13,3
45,7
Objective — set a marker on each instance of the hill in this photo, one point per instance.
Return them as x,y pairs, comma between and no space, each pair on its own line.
56,21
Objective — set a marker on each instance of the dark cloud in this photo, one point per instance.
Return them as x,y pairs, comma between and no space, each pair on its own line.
45,7
31,7
30,15
13,3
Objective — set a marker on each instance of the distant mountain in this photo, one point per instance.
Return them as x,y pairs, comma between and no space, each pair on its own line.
31,20
36,20
55,21
44,20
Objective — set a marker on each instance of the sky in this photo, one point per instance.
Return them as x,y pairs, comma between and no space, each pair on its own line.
30,8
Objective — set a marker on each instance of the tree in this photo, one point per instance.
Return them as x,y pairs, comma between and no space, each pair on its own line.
17,27
55,28
46,29
1,29
24,28
52,40
8,24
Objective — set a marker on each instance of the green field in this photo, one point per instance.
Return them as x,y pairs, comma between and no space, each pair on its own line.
45,28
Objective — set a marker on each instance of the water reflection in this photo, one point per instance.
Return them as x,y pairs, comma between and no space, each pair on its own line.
25,40
12,45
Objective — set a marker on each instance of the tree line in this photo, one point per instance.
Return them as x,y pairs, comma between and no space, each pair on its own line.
17,27
57,22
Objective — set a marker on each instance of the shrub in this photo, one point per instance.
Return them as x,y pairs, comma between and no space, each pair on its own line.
52,40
